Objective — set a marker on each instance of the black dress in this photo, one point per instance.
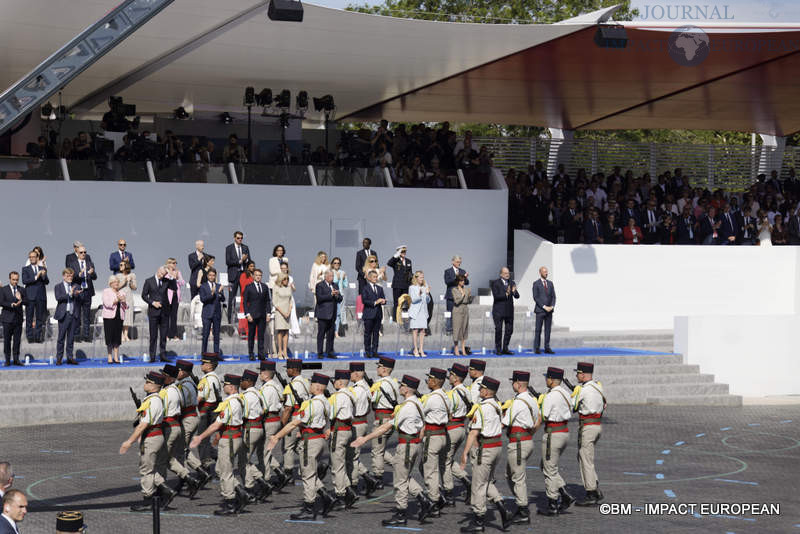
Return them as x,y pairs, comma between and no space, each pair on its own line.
113,330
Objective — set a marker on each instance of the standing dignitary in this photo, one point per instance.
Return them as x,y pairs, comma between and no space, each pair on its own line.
504,291
152,452
402,275
327,297
343,402
361,258
544,295
451,281
385,397
313,420
257,306
120,255
173,431
408,421
590,403
272,394
297,391
189,417
373,299
521,420
461,401
229,449
82,265
34,276
12,299
154,293
196,264
212,298
67,296
556,410
485,431
209,394
437,407
257,487
361,390
237,256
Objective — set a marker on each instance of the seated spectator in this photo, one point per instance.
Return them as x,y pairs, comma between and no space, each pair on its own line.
632,234
779,233
612,234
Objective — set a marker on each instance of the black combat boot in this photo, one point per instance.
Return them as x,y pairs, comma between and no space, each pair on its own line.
281,479
242,498
476,524
370,484
264,490
350,498
505,516
192,485
338,503
566,499
327,501
145,506
590,500
398,519
598,494
167,494
552,508
203,475
467,490
425,507
449,498
322,470
228,507
522,516
306,513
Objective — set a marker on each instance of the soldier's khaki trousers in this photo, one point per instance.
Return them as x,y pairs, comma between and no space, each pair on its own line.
189,425
269,462
516,472
310,451
229,463
588,437
380,456
152,463
203,455
482,476
341,459
254,455
291,448
357,468
552,479
404,483
176,447
452,467
433,463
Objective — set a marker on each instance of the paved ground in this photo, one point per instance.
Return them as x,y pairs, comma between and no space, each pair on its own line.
672,455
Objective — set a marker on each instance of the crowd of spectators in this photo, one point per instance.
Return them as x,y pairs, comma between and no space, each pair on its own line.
627,209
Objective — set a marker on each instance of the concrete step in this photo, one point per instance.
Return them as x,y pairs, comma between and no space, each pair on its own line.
695,400
634,393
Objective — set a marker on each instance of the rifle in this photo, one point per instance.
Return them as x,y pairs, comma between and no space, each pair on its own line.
138,404
194,379
533,392
568,384
368,380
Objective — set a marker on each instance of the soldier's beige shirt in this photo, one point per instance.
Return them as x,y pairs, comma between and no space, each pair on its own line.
556,405
460,407
253,409
315,412
523,411
343,402
152,409
590,398
230,411
487,418
361,391
387,388
408,416
436,407
475,389
188,392
209,387
272,394
302,386
172,400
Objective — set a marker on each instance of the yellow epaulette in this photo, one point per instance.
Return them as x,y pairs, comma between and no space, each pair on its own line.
507,404
223,405
144,406
375,387
331,399
287,390
450,395
163,393
540,400
202,384
425,398
352,390
576,391
598,383
396,409
473,410
305,405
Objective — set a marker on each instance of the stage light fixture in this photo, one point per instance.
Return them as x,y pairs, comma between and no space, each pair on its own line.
324,103
264,98
302,101
180,114
47,111
285,10
226,118
249,96
284,99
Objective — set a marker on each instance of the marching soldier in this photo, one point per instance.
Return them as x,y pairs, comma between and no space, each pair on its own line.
343,402
385,396
189,419
521,420
476,370
296,392
590,403
313,420
436,407
461,400
409,422
257,488
556,411
485,431
173,431
361,390
229,449
272,394
209,393
152,452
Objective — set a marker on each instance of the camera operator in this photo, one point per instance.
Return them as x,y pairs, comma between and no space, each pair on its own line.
82,149
233,151
383,135
114,119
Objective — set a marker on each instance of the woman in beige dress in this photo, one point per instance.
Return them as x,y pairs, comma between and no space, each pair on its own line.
462,298
282,302
317,273
127,285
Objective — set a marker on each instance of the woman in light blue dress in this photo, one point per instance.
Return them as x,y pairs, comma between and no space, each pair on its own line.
340,278
420,294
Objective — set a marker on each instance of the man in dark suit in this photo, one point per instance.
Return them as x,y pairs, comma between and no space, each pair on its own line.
544,295
34,276
729,226
571,222
15,507
68,297
687,227
748,226
119,255
361,259
630,212
504,291
212,298
74,254
402,276
373,298
592,232
195,264
327,293
257,305
84,275
709,226
154,293
450,282
237,256
12,299
651,220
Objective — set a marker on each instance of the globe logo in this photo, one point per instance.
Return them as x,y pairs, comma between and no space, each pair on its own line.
688,46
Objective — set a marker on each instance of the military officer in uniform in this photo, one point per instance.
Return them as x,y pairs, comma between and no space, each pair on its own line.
209,392
385,397
272,395
485,431
257,488
360,415
556,410
313,420
521,420
173,431
189,419
409,421
152,452
590,403
436,407
461,400
476,370
229,449
296,392
344,405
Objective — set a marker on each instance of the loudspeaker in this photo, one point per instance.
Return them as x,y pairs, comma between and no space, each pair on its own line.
286,10
611,37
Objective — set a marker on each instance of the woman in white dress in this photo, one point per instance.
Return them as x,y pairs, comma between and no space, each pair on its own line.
317,273
127,285
294,329
420,294
278,257
764,230
340,279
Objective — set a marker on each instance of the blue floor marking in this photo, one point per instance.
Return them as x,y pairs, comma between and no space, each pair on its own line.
659,462
679,443
734,517
300,521
753,424
532,467
700,435
787,421
660,476
669,493
726,428
666,451
736,481
634,474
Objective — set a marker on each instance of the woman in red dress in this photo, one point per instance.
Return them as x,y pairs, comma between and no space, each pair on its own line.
245,279
632,234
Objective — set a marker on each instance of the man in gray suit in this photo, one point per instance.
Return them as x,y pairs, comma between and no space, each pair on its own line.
544,295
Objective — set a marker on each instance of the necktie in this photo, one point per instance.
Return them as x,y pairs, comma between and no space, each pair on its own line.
85,274
727,216
158,283
258,287
69,298
35,270
121,255
239,251
373,289
545,285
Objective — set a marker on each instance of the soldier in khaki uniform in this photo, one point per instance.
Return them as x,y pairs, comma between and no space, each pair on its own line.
257,488
152,451
521,420
462,403
408,421
209,394
436,407
556,410
295,393
229,450
485,431
385,397
313,420
361,389
590,403
343,402
189,418
476,370
173,431
272,395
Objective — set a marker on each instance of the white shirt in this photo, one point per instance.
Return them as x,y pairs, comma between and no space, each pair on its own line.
188,392
408,419
315,412
209,387
343,403
152,409
556,406
231,414
172,400
457,396
388,388
487,418
475,389
590,398
437,407
272,395
301,386
253,409
361,390
69,298
523,412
